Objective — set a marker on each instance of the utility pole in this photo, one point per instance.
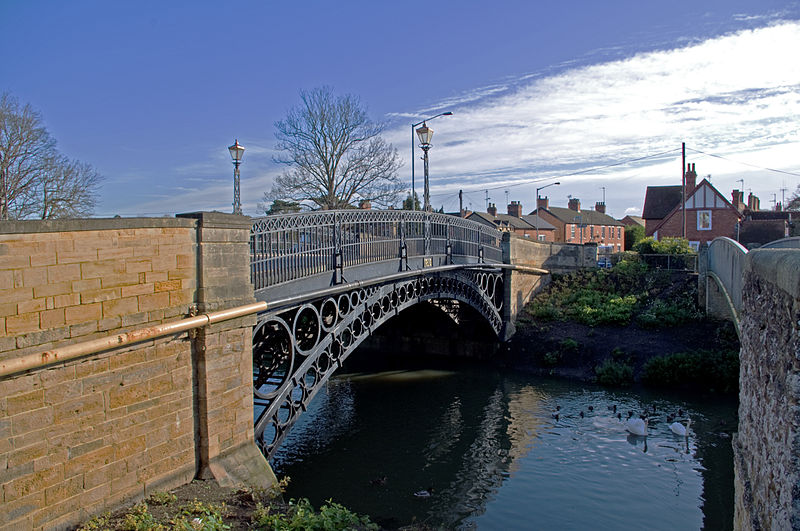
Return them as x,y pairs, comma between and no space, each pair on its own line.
683,188
460,204
604,194
487,199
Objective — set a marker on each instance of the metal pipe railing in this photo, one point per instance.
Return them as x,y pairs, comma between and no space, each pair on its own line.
94,346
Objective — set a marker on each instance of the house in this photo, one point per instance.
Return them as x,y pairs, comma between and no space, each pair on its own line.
515,223
573,225
632,220
705,215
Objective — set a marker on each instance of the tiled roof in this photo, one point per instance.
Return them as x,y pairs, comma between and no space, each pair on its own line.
660,200
509,221
588,217
534,220
632,219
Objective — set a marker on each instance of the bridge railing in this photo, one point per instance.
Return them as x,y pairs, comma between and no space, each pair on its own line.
726,259
294,246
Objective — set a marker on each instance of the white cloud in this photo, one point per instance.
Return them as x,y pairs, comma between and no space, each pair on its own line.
737,96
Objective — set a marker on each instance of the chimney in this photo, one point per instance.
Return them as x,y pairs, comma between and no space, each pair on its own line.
574,204
691,178
753,203
515,209
492,210
600,207
541,202
738,200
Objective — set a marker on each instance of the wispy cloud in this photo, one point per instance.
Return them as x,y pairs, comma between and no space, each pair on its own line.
737,95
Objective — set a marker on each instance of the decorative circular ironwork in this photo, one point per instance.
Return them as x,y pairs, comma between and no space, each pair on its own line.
273,357
306,328
328,314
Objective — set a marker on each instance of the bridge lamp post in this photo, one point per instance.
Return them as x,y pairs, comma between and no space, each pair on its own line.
413,132
425,135
537,206
237,150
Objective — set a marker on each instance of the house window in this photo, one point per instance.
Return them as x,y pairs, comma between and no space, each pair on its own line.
542,237
572,232
703,220
619,232
591,231
603,232
695,246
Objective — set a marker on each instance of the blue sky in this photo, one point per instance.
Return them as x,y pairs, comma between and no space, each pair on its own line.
152,93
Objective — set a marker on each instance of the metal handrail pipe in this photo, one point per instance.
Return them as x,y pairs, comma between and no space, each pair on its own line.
94,346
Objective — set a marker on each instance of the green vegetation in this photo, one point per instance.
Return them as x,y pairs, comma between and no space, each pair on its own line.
250,507
614,296
614,373
301,515
706,369
633,234
673,246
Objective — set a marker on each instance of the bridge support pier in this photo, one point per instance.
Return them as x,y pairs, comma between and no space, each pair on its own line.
223,356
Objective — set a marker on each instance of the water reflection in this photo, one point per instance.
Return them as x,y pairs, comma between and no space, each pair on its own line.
488,448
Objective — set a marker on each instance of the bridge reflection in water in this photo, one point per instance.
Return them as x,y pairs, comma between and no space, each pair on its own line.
496,458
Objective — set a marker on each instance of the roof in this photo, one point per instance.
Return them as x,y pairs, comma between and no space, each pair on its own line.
761,215
506,221
660,200
536,222
588,217
631,220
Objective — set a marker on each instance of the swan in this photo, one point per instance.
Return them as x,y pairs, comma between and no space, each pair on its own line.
424,493
637,426
679,429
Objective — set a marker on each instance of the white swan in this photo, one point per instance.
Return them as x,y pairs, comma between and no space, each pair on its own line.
637,426
679,429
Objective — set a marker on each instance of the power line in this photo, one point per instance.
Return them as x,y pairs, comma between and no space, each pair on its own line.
744,163
580,172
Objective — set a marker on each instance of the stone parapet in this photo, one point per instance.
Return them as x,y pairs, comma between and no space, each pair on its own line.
767,446
87,435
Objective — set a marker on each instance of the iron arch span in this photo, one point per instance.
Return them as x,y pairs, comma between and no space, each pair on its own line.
296,350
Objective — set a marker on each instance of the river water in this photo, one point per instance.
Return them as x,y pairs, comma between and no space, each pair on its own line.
473,447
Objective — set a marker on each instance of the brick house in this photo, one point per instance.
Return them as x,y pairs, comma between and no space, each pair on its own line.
515,223
573,225
708,214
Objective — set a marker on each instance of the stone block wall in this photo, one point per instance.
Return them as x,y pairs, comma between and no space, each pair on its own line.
87,435
767,446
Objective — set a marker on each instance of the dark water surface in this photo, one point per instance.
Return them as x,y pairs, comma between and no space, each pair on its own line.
486,445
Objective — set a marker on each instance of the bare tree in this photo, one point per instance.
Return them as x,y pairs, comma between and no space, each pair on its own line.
35,179
794,200
335,155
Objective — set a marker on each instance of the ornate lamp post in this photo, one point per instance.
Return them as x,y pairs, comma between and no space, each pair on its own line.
425,135
237,150
537,206
413,131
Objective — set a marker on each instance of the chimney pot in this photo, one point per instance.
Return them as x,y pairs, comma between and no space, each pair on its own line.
575,204
542,202
600,206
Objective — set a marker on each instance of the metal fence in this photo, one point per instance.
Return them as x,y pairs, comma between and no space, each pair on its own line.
294,246
726,258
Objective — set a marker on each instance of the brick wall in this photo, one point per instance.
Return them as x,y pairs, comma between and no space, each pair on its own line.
767,446
87,435
723,223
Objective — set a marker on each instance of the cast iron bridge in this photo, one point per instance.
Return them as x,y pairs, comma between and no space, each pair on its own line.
331,278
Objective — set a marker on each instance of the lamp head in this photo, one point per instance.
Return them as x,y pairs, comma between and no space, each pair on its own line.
425,134
237,150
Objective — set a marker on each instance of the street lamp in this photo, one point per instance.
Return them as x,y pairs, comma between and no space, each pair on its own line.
537,206
425,135
413,132
237,150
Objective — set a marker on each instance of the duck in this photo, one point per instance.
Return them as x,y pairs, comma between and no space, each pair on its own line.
426,493
637,426
679,429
